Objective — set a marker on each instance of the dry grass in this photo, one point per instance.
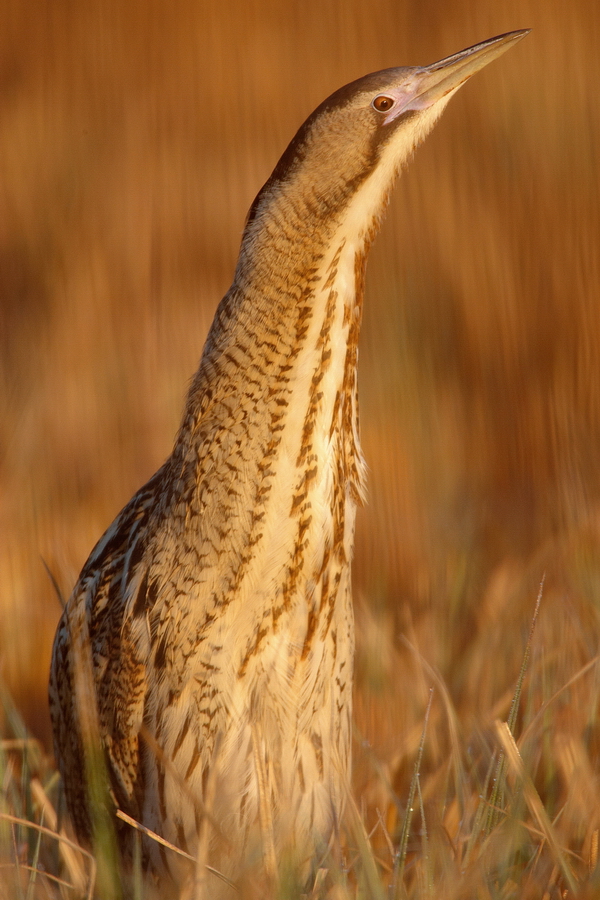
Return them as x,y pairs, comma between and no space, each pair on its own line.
134,137
510,810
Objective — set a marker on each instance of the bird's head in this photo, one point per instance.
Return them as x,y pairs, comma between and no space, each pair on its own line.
357,140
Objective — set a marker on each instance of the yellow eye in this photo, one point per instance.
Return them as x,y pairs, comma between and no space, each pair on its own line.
382,103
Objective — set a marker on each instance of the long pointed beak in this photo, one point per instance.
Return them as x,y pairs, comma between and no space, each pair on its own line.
447,75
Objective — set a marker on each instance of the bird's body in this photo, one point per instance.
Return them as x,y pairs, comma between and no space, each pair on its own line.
212,626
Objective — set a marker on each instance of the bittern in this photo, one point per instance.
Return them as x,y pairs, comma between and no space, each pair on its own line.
208,645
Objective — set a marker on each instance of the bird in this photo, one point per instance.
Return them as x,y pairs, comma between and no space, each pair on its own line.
202,669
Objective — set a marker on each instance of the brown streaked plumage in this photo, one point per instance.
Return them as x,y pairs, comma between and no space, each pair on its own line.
208,644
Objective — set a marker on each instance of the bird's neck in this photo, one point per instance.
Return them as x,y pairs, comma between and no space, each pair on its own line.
279,369
272,416
284,343
299,279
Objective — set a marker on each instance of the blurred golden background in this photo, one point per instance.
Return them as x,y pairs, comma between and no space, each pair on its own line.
134,137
